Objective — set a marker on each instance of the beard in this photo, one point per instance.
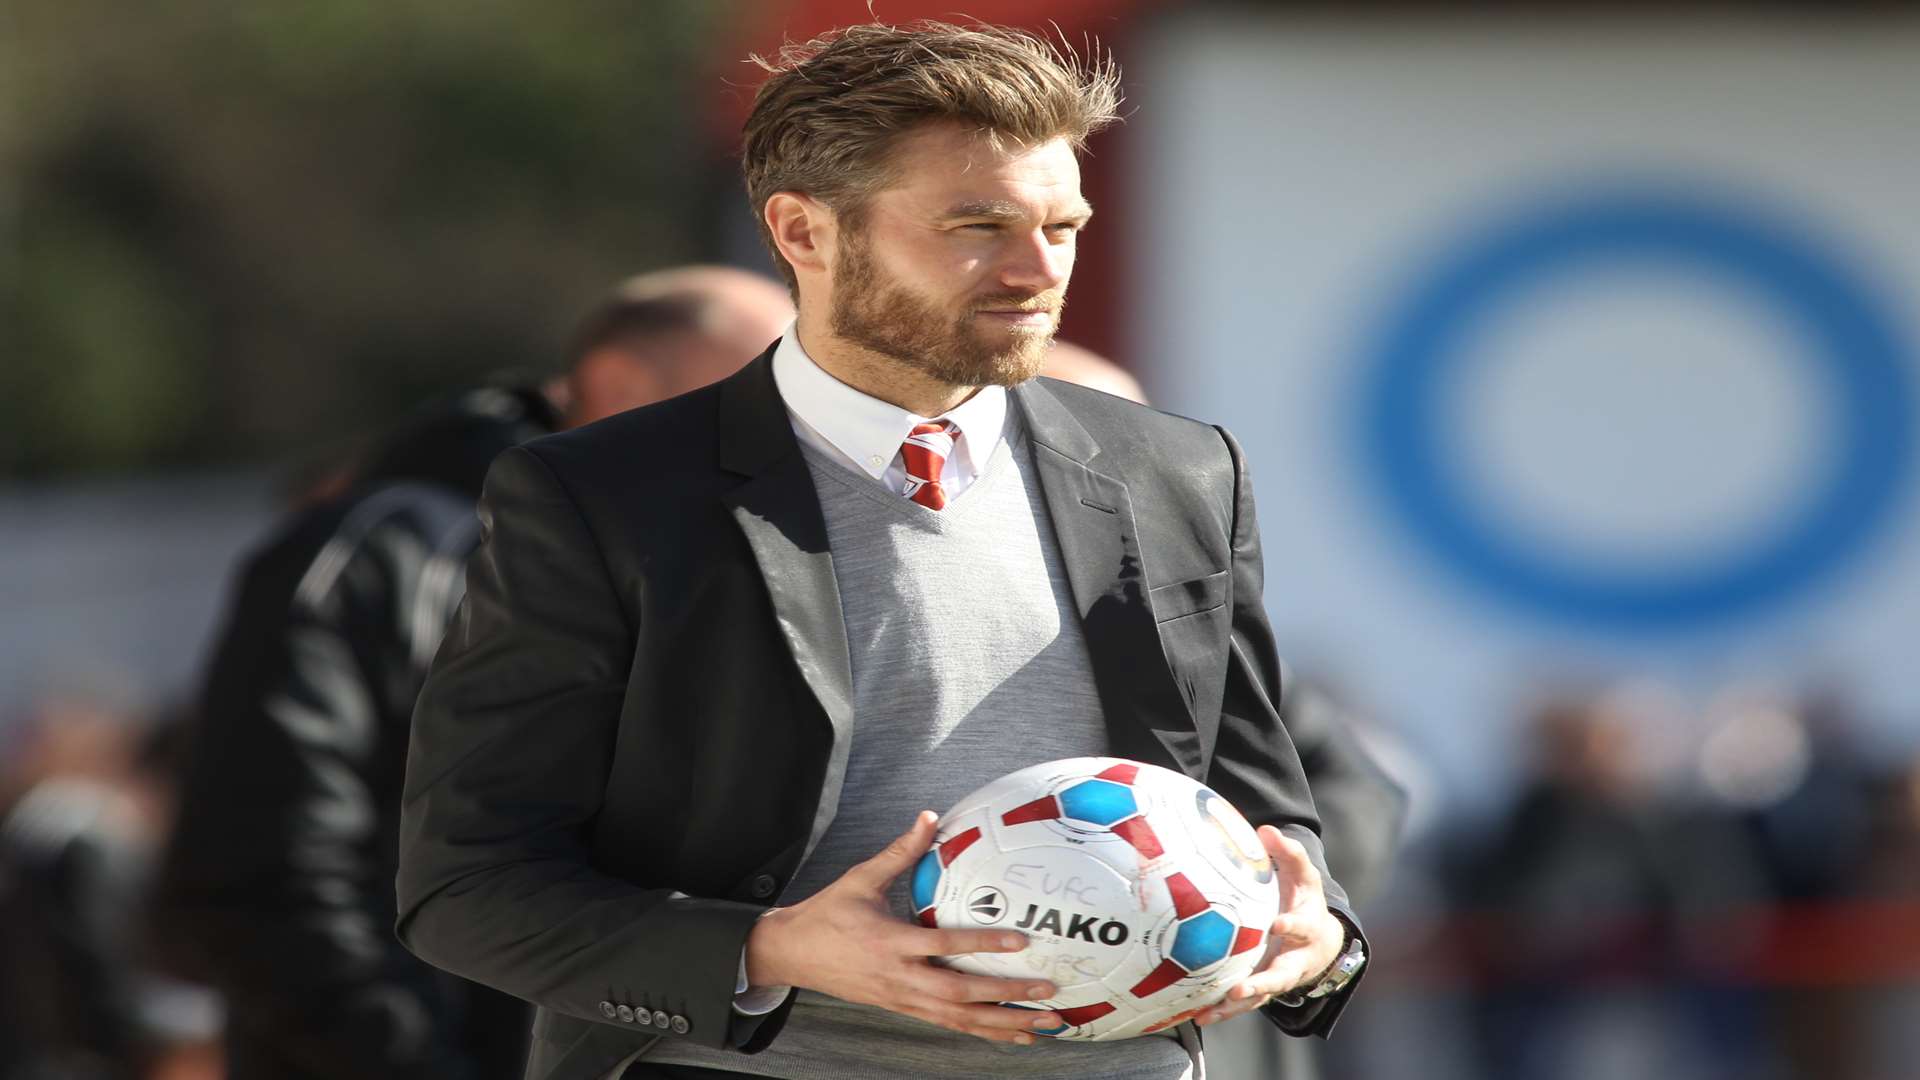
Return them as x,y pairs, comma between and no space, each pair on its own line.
882,315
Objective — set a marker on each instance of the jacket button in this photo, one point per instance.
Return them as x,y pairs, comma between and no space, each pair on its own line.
660,1019
643,1017
680,1025
607,1010
764,886
626,1014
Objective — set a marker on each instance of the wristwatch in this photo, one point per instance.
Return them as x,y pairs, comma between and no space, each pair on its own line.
1353,957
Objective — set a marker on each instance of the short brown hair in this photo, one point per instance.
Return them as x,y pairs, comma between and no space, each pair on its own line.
824,122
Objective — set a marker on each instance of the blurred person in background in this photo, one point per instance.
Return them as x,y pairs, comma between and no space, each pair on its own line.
1611,915
1892,883
733,312
87,803
278,882
1892,866
1819,824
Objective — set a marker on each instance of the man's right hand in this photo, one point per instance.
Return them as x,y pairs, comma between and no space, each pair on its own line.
844,941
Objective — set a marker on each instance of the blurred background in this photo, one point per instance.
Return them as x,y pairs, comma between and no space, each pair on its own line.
1574,352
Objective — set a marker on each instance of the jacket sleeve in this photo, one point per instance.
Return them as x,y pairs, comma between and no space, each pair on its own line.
513,741
1255,760
276,885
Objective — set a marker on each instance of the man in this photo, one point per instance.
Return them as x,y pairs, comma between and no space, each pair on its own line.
715,653
277,886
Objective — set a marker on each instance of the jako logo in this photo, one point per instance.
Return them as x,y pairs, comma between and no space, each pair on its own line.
1084,927
987,905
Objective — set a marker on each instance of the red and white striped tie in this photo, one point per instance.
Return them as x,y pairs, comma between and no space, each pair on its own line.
925,453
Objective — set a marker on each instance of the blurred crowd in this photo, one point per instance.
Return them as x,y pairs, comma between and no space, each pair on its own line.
1728,890
206,890
86,801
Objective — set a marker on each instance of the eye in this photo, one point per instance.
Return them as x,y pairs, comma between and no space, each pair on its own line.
984,226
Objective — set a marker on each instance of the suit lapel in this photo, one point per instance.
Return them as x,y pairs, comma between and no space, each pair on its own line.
1092,512
779,512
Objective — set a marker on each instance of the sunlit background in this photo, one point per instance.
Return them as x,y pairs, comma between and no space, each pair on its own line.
1574,353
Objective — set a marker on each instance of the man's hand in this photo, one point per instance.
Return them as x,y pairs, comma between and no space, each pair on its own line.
1305,938
845,942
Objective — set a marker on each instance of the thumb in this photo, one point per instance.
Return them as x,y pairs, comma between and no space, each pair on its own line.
896,858
1291,863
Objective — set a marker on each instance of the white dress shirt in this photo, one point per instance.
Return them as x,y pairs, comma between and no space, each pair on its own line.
865,434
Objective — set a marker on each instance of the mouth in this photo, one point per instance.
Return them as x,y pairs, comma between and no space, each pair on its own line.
1015,317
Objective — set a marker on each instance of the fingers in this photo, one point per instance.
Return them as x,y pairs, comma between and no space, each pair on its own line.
898,857
1290,929
1299,944
1277,979
923,942
958,1002
993,1022
1298,879
1307,948
1255,992
1290,856
958,987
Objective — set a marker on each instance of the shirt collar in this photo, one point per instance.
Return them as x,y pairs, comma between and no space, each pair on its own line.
869,431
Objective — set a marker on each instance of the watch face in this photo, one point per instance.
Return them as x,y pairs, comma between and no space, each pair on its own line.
1343,972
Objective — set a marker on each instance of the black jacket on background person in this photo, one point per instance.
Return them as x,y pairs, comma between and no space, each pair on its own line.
277,886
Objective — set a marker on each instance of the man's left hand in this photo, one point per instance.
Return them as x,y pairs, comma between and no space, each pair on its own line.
1305,938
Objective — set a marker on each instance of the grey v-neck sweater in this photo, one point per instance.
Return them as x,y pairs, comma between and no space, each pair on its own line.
968,663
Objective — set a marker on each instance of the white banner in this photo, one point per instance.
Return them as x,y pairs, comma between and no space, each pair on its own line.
1579,350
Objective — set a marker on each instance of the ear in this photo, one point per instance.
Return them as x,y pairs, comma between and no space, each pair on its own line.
803,230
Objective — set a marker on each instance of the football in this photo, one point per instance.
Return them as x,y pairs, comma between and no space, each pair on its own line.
1144,895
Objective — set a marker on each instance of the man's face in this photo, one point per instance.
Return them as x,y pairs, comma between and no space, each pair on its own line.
960,268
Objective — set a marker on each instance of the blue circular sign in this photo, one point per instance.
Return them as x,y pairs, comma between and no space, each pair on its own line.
1855,350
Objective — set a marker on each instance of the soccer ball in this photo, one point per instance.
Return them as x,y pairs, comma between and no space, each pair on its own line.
1144,895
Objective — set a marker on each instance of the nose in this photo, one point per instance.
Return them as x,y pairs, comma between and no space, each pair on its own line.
1036,262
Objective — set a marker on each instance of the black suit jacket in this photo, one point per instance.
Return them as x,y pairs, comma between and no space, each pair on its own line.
639,720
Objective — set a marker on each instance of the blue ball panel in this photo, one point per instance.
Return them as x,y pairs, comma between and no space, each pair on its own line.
1202,940
1101,802
926,879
